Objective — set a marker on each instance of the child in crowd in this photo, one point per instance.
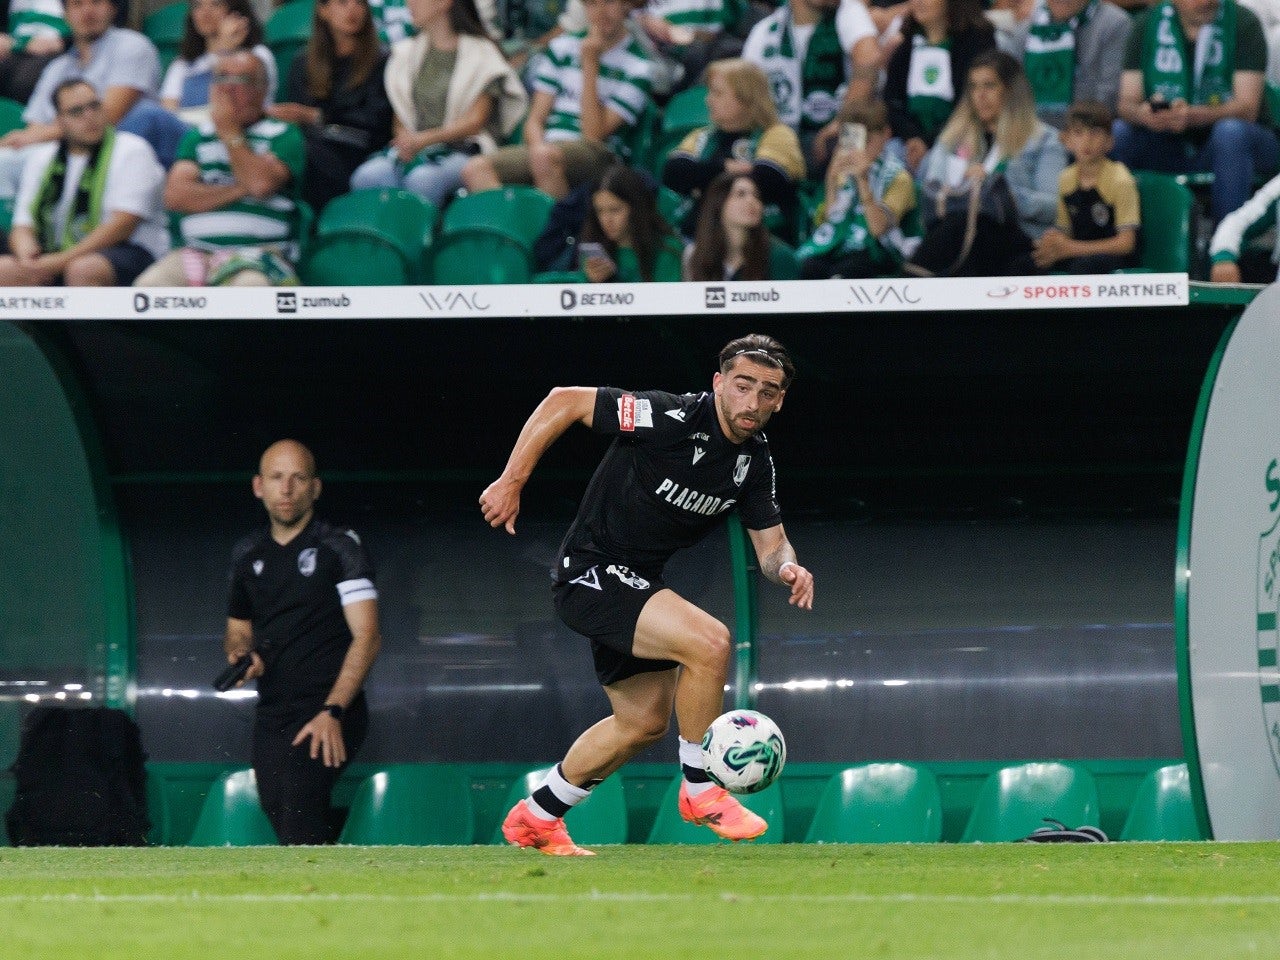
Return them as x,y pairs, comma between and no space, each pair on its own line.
1098,213
870,221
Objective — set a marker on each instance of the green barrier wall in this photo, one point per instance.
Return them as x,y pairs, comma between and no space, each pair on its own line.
64,625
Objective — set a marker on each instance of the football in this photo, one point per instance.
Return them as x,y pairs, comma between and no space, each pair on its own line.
743,751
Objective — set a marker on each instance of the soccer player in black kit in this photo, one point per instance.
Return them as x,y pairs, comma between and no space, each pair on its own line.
677,466
303,604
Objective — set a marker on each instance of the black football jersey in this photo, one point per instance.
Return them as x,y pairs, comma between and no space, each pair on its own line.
293,595
668,478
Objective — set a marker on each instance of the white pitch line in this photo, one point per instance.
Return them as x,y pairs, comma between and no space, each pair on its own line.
998,899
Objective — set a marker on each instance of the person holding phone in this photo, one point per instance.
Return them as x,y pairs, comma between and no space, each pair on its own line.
1191,97
624,239
870,220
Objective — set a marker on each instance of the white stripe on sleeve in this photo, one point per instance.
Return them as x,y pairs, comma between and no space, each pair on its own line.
352,591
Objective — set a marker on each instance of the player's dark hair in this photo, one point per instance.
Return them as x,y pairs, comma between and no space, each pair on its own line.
760,348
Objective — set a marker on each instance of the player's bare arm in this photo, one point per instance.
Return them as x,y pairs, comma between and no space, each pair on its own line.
324,729
562,408
238,642
778,563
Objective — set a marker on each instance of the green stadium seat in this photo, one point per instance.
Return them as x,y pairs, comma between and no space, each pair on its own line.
10,115
599,819
1164,243
479,255
560,276
878,803
783,264
670,827
1015,800
404,221
1162,809
413,804
286,33
164,27
519,210
673,206
232,816
355,259
684,113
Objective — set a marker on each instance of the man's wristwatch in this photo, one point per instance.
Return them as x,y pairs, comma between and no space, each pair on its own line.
334,710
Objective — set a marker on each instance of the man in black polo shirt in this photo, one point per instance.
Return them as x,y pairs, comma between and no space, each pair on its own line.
303,604
677,466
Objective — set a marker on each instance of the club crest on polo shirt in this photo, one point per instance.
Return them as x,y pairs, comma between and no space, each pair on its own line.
307,561
740,468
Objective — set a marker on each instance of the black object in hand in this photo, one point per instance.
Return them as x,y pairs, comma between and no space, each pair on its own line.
229,677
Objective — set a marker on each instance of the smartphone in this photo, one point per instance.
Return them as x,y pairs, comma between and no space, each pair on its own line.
1159,104
587,251
853,136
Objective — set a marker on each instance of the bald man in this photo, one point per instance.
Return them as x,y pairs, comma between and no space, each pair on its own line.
303,605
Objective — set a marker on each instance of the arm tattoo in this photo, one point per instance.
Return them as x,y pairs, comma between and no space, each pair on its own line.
772,563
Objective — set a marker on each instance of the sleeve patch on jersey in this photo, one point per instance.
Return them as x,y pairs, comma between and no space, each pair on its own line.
353,591
634,412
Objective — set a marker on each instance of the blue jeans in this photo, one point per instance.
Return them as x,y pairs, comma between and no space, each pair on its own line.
156,125
435,179
1235,153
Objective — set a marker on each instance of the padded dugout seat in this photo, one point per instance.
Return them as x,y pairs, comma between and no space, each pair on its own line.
878,803
479,255
413,804
670,827
232,816
1162,808
1015,800
599,819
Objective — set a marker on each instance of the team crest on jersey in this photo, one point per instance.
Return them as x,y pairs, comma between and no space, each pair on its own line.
740,468
257,568
307,560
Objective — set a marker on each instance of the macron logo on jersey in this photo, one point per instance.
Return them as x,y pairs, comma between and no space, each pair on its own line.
634,412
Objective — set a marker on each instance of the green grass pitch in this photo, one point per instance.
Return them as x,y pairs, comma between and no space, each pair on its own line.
1026,901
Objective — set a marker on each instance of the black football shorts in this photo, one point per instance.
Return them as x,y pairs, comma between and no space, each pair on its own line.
603,603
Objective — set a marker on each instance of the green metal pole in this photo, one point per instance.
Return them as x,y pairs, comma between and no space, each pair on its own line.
742,560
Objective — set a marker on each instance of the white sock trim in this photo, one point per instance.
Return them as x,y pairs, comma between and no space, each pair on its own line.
565,791
690,754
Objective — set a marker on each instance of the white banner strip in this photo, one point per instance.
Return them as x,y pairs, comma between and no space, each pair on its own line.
605,300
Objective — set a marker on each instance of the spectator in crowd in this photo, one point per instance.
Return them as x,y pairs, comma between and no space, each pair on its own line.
995,158
1254,217
235,184
38,32
393,20
1098,208
1190,97
454,97
623,237
940,38
689,33
213,27
870,221
88,212
731,242
337,98
816,54
590,90
122,65
1072,51
745,136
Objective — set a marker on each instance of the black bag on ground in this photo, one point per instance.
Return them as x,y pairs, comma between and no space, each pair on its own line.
80,780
